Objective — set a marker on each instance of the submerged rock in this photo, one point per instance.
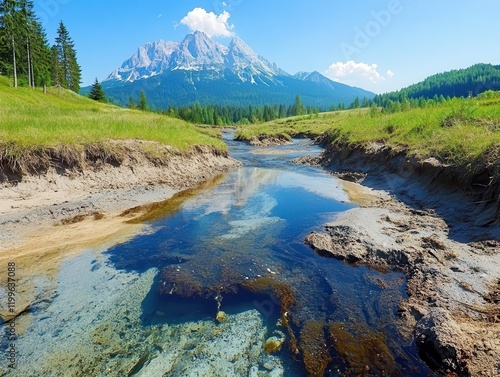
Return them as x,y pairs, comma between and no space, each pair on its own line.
314,349
365,353
221,316
273,344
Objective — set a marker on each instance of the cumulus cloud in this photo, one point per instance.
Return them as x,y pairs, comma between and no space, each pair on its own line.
353,73
390,74
208,22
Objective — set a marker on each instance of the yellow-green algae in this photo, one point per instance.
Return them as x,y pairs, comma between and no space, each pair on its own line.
313,345
365,354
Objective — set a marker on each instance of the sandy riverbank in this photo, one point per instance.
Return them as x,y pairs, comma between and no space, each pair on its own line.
47,218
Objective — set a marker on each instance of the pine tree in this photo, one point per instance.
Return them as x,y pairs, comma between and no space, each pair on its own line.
55,68
68,67
97,92
143,102
36,56
355,104
41,57
9,36
131,103
24,50
298,108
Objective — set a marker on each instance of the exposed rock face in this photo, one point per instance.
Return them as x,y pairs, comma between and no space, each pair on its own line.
436,335
197,51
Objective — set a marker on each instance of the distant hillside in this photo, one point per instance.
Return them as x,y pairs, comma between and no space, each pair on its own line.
182,88
457,83
198,69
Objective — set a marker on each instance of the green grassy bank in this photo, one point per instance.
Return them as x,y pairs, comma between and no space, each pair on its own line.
32,121
458,132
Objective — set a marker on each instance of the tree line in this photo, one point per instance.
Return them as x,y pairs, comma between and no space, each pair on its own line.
235,115
26,55
400,103
469,82
436,89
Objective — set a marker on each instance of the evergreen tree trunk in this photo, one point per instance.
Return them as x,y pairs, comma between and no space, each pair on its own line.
14,61
29,61
32,73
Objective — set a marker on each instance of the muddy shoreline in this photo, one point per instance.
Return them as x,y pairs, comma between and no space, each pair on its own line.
422,218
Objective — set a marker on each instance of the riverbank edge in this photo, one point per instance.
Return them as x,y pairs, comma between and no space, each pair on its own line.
413,224
478,181
267,140
46,218
58,176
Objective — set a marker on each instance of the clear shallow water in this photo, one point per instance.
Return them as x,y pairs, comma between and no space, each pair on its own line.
238,244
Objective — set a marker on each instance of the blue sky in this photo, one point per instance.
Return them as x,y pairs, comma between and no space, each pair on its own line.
379,45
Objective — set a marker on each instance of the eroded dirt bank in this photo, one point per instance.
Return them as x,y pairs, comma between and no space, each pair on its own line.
48,217
267,140
441,228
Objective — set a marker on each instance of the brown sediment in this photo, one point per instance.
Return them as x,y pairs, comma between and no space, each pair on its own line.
365,354
156,211
44,250
360,195
79,218
268,140
313,345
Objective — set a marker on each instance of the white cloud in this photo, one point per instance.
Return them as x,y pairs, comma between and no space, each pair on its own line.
208,22
390,74
353,73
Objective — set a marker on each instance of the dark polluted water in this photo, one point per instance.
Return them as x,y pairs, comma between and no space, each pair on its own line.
222,285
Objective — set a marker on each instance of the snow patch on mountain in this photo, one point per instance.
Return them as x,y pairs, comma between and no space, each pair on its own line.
196,52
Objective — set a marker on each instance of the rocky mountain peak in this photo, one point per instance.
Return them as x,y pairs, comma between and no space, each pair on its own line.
196,52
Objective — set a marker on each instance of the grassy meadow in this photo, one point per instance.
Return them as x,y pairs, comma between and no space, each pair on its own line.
31,119
460,131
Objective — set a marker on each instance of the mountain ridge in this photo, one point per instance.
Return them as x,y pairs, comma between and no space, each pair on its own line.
199,69
197,51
